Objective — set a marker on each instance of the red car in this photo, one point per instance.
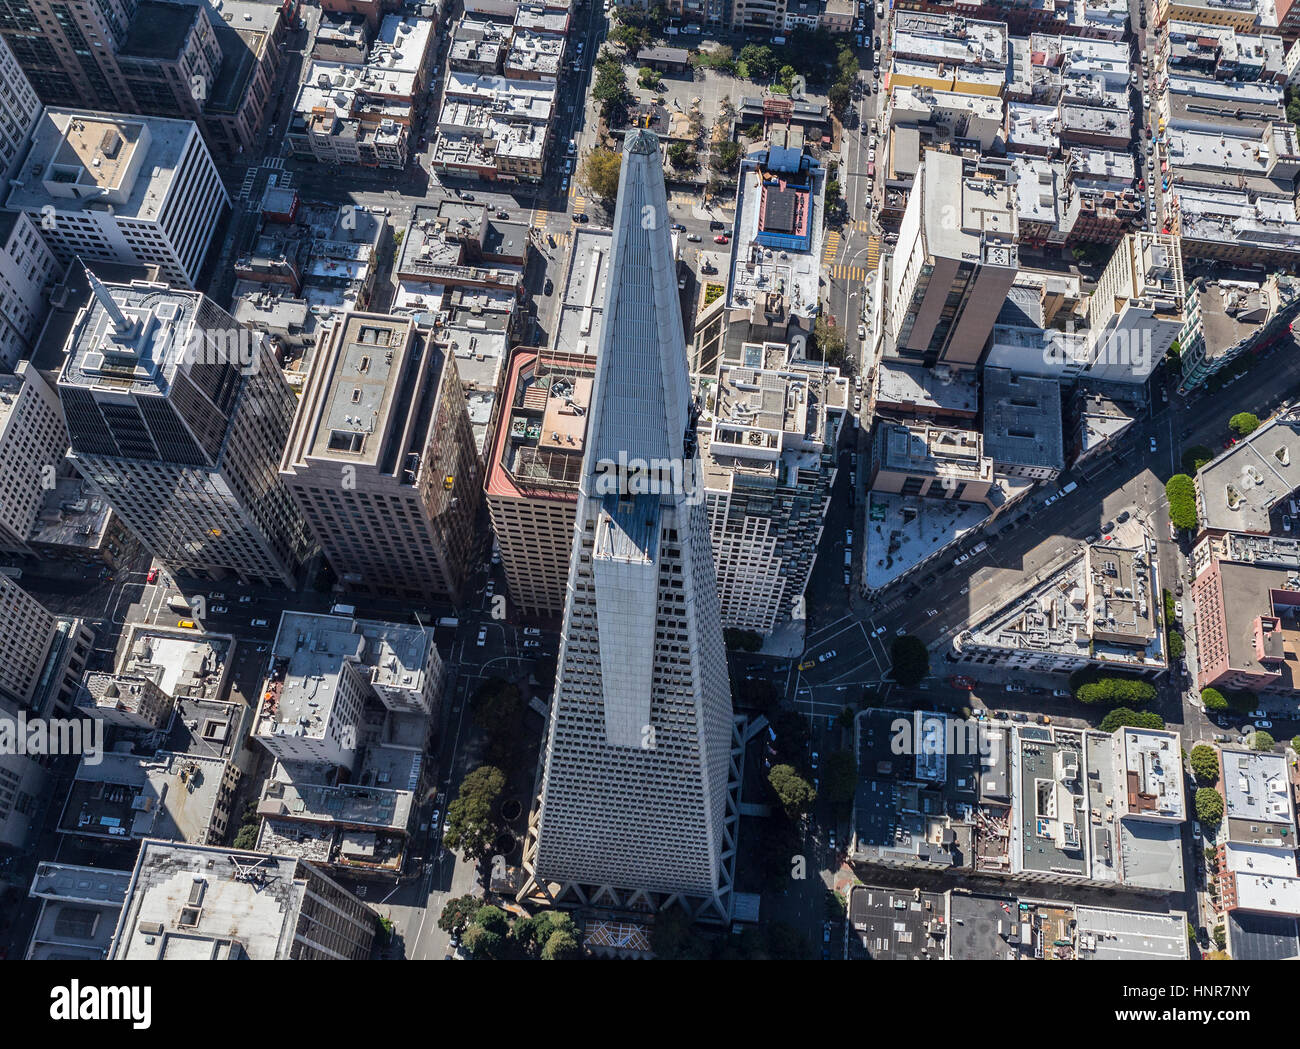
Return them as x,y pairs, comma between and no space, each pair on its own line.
721,238
152,577
958,681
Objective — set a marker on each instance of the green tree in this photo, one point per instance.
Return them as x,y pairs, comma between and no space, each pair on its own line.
1123,717
1176,645
681,156
498,706
673,937
742,640
1195,457
910,659
839,778
599,173
1092,685
493,919
610,90
1209,806
725,157
845,719
1242,700
1213,699
246,837
1180,491
483,944
458,913
1262,740
1295,744
561,946
794,793
1243,424
757,62
828,341
1205,763
839,96
470,827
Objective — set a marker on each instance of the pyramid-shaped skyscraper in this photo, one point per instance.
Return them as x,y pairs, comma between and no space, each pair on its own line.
634,790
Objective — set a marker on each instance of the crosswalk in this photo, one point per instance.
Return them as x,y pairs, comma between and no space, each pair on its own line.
873,253
861,226
541,217
273,165
831,249
849,273
579,203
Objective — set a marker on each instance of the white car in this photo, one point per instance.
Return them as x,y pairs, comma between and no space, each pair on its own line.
826,655
1153,444
1263,724
961,560
245,599
532,631
931,612
219,610
879,630
1050,500
482,636
871,156
901,631
814,759
1178,610
564,186
532,644
862,331
848,537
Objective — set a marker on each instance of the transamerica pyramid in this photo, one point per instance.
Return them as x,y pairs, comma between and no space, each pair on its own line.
634,788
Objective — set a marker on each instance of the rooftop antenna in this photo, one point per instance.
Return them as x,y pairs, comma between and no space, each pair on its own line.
121,326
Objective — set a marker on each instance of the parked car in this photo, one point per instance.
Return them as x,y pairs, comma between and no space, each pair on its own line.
1020,717
826,655
1178,610
1013,687
814,759
878,631
261,622
532,631
1263,724
219,610
1153,444
1043,719
482,636
1060,693
1259,713
848,537
532,644
503,214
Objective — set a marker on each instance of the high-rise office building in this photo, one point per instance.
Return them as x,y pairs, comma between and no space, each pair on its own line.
768,435
953,265
178,417
532,475
19,111
28,271
33,441
382,463
26,634
211,64
138,190
633,795
202,901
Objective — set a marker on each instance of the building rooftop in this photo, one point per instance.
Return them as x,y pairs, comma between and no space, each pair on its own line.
1104,935
1240,489
580,293
774,269
309,653
1256,791
81,160
181,663
1022,419
133,796
79,911
1263,937
904,530
987,928
894,924
1153,774
939,390
950,38
188,902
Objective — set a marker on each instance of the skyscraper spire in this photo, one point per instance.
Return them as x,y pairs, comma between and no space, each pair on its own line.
637,757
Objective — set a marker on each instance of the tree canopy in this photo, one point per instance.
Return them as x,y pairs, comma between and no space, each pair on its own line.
1205,763
470,827
599,173
1180,490
1209,806
1243,424
911,660
839,778
795,793
1123,717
